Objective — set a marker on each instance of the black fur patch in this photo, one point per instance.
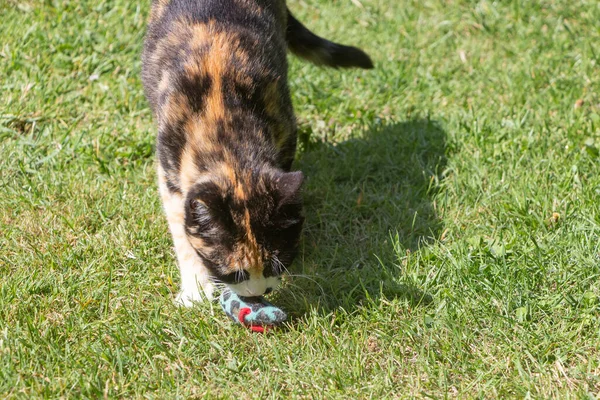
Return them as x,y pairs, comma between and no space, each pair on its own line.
208,216
170,144
195,89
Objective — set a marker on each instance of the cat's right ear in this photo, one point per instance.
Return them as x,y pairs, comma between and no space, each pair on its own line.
205,194
197,208
197,214
206,204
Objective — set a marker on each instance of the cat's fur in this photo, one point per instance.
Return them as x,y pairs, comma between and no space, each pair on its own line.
215,74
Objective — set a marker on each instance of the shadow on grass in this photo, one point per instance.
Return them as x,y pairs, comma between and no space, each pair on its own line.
368,202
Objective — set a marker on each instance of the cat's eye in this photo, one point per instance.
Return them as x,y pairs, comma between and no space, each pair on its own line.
235,277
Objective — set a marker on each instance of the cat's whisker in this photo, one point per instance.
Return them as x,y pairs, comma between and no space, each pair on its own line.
292,293
217,282
239,274
308,278
279,264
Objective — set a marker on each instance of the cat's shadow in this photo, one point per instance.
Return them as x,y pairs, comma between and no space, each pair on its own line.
368,202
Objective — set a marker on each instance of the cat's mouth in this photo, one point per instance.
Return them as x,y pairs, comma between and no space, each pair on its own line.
249,294
255,287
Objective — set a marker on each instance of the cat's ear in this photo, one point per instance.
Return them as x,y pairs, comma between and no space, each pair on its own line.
204,195
197,208
288,186
205,201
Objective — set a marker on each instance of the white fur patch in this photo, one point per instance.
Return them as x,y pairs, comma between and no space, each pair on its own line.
195,278
255,286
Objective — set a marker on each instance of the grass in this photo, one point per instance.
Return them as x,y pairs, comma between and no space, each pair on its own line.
452,241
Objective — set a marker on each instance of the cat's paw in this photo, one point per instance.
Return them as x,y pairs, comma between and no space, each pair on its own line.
187,298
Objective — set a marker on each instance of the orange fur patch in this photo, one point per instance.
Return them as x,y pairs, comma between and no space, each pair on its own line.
188,172
252,252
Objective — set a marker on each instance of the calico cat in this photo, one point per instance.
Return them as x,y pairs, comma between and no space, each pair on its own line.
215,75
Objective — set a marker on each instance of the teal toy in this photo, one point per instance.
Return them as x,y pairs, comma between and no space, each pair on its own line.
255,313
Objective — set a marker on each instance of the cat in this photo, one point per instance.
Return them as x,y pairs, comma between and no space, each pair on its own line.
215,75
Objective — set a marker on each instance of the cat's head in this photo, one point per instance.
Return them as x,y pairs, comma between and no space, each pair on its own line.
246,230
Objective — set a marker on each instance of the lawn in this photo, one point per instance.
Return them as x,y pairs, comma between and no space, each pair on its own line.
452,242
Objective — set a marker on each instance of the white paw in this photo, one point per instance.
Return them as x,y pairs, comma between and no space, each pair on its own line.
209,290
187,297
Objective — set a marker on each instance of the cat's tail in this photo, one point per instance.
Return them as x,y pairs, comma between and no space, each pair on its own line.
320,51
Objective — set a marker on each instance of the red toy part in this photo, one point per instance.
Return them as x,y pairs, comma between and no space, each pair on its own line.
254,328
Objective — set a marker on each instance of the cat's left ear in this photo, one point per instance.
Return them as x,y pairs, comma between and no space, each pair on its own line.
288,186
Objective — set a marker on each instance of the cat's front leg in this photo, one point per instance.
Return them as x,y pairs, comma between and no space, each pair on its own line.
195,277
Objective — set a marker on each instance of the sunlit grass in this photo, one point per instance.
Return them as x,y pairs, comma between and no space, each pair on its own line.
452,239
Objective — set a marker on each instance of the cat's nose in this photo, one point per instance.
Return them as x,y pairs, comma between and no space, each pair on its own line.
268,290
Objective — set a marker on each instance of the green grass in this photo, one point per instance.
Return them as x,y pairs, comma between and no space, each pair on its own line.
452,243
